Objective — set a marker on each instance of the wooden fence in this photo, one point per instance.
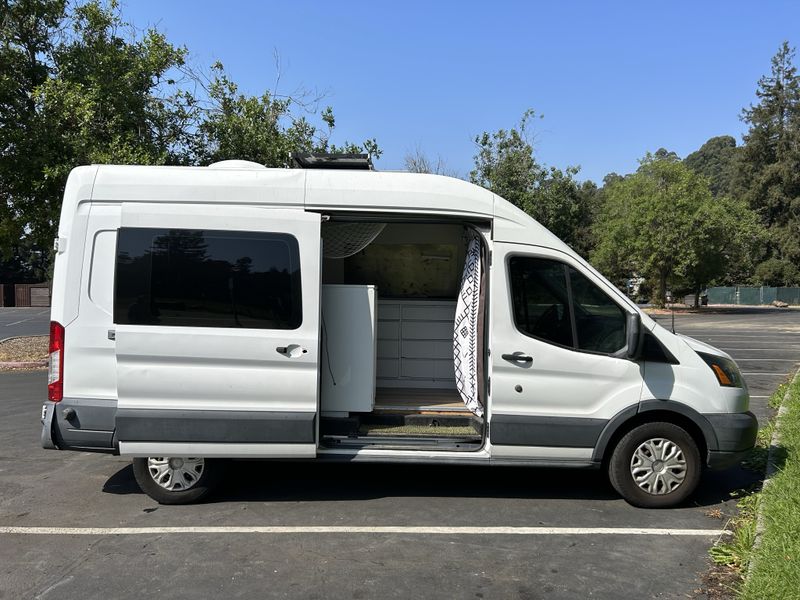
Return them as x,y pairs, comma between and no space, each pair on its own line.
30,294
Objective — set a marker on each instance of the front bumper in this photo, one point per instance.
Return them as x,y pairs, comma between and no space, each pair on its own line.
736,435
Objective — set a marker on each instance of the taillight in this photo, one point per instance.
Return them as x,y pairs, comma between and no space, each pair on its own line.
55,370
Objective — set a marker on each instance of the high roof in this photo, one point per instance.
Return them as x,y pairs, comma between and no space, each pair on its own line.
320,189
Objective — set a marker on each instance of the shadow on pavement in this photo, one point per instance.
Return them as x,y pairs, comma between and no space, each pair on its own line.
264,481
122,482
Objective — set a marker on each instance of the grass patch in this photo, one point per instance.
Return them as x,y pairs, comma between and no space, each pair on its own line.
735,552
776,563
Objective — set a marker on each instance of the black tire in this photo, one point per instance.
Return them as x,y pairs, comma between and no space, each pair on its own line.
620,469
202,486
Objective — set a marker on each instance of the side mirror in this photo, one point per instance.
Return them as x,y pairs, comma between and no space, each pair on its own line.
633,327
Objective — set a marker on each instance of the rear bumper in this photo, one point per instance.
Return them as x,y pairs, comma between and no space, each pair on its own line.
78,424
48,412
736,435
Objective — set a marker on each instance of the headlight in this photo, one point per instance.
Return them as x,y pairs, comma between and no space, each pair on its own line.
725,369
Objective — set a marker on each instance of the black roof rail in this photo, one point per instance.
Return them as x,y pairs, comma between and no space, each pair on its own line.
309,160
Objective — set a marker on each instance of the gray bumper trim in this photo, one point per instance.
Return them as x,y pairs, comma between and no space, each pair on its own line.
560,432
736,432
215,426
84,424
48,412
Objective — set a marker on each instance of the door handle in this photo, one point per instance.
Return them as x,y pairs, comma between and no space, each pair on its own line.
523,358
291,351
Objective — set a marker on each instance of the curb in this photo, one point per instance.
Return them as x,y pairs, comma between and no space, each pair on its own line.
771,468
17,337
23,365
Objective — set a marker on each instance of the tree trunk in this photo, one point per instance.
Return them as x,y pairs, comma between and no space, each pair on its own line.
662,289
697,297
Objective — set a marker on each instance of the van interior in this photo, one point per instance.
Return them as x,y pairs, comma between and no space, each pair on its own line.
388,309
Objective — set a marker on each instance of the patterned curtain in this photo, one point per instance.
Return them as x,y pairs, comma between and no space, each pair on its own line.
466,331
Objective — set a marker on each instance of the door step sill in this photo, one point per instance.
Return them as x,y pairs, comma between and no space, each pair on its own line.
401,443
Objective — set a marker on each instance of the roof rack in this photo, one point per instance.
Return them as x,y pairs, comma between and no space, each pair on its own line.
309,160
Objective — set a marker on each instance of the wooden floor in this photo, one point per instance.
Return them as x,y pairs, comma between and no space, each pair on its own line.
416,399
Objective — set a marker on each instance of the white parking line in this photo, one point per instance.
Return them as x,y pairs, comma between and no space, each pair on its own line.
362,530
792,360
782,343
21,321
765,373
777,349
765,339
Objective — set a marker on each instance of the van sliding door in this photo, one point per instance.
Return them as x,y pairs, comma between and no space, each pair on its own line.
216,317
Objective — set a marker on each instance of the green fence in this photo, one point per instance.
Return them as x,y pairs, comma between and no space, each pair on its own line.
751,296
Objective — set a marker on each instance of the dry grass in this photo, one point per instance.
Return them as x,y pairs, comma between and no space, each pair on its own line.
24,349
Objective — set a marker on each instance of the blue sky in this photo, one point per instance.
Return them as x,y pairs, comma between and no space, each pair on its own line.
613,80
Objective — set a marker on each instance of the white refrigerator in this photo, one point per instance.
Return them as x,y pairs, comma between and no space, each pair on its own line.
349,349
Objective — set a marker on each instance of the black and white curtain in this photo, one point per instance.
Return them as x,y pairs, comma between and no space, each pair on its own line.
466,334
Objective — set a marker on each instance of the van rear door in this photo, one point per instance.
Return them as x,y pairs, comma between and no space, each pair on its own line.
216,320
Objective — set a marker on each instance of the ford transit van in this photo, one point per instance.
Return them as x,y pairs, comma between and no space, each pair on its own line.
208,313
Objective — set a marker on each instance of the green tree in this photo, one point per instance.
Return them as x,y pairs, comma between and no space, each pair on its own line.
505,164
662,223
26,30
726,235
265,129
769,169
77,88
716,161
79,85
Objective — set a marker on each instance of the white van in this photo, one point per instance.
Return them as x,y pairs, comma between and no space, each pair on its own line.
235,311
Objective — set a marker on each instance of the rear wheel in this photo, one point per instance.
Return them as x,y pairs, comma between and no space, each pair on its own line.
655,465
176,479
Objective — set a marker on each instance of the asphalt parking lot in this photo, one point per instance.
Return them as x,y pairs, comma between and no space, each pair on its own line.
24,321
320,531
765,343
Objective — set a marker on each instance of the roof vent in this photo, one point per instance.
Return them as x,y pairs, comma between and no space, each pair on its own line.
307,160
236,164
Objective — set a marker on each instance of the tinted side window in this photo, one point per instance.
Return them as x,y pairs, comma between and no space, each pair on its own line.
540,299
599,321
196,278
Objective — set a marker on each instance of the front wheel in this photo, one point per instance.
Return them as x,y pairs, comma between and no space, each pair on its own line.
176,479
655,465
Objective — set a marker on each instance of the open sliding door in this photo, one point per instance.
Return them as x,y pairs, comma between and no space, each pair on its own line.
216,320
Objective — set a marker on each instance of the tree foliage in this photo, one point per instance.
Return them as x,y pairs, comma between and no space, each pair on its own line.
78,86
265,129
506,165
94,93
769,169
716,161
662,223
